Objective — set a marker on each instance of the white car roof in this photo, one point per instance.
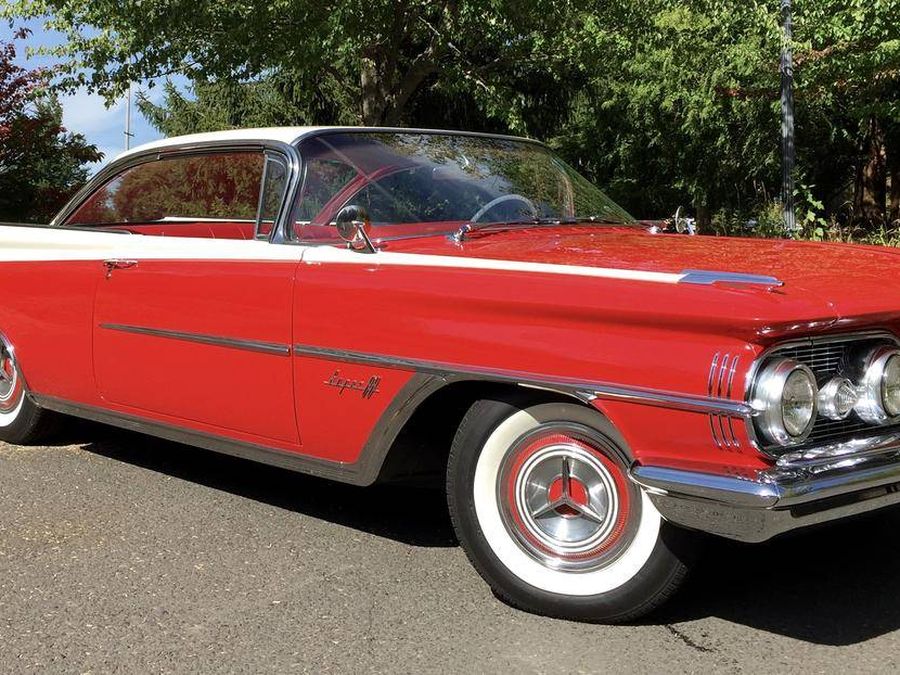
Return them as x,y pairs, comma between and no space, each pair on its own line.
278,134
262,134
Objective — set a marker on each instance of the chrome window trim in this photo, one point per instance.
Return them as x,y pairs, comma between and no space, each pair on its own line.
586,390
202,338
287,151
270,158
809,341
331,131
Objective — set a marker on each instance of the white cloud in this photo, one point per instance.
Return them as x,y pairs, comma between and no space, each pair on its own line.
103,126
87,113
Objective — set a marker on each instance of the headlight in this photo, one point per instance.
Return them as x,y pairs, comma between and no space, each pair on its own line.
786,397
837,398
879,400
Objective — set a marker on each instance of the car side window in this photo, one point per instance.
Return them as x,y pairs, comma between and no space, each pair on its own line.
274,185
324,179
191,189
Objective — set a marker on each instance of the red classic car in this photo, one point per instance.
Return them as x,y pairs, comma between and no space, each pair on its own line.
381,304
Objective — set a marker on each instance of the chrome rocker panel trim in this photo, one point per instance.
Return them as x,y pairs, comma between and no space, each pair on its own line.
363,472
787,497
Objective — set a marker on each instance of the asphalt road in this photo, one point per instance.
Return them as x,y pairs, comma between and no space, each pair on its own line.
121,553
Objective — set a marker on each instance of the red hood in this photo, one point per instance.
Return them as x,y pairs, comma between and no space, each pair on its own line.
850,285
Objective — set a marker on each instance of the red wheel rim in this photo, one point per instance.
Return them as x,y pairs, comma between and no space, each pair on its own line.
565,499
10,383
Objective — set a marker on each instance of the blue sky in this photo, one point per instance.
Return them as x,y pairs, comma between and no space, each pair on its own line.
86,113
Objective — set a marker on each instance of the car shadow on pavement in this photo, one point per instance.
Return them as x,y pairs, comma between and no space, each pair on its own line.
411,515
835,585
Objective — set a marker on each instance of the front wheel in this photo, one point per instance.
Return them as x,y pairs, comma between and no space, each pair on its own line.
543,506
21,420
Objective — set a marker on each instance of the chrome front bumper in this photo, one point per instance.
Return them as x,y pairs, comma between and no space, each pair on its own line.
818,486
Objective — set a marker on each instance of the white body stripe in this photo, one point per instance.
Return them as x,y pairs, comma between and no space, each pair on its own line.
331,254
37,244
29,244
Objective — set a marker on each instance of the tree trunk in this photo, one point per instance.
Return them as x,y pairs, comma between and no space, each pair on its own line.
704,216
871,177
892,152
372,104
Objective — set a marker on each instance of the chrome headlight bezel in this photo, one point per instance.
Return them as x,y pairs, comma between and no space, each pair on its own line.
871,406
831,357
768,401
836,391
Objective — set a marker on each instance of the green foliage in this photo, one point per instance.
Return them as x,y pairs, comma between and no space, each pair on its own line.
41,164
342,61
662,102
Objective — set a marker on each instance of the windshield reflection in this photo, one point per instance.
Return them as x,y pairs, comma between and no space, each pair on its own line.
418,183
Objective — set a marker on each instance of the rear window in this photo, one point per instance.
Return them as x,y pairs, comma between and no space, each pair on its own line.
221,186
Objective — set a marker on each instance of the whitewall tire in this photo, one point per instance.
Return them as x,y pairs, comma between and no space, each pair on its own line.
542,504
21,420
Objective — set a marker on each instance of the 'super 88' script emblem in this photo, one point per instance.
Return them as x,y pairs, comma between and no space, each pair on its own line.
367,388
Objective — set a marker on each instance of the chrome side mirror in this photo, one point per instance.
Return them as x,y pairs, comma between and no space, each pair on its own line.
352,223
684,225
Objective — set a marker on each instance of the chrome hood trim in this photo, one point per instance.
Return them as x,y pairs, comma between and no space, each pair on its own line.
709,277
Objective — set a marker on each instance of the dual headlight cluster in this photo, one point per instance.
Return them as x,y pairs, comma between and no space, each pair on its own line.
788,399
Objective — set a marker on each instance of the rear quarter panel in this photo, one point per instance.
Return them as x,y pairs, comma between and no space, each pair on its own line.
45,313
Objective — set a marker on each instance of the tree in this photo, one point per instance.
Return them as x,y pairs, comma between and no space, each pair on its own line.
41,164
683,108
344,61
850,65
223,104
664,102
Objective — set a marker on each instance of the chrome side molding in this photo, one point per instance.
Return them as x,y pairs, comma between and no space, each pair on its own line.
709,277
215,340
585,390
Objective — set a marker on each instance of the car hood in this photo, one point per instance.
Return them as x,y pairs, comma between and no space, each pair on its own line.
826,283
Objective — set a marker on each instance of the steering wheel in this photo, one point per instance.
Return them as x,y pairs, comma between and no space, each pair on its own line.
502,199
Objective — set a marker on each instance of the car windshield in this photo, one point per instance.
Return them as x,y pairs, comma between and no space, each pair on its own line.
414,183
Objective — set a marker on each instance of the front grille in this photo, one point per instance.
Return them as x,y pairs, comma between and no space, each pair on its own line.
828,359
825,360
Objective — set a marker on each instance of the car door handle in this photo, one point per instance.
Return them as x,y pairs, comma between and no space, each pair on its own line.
118,264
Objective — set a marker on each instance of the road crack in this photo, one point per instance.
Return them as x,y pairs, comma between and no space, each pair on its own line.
688,641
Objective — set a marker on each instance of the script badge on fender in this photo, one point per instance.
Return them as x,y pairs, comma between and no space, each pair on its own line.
367,388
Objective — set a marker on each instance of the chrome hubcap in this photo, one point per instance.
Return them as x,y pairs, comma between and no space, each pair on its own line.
564,501
567,497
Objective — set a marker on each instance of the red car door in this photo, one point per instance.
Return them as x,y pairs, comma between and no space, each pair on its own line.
201,341
193,331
